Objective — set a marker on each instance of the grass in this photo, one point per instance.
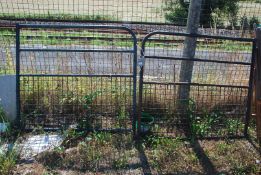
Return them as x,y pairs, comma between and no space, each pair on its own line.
99,39
89,151
69,17
112,153
91,10
80,100
107,105
8,154
239,163
3,118
115,153
8,161
159,150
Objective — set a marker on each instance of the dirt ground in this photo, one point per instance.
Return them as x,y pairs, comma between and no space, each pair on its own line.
118,154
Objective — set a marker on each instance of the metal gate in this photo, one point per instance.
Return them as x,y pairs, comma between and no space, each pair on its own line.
81,76
218,102
85,77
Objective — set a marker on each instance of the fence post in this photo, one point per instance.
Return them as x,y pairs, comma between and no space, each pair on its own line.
17,70
258,85
189,51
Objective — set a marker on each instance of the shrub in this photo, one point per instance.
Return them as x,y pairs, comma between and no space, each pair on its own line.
176,11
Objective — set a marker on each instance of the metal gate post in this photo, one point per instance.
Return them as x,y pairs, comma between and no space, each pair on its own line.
18,112
134,120
258,85
250,90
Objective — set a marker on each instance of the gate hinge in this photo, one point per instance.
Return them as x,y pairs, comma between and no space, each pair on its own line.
141,61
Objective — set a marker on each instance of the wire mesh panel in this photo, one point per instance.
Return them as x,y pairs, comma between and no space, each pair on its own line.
7,38
218,13
218,85
7,52
81,76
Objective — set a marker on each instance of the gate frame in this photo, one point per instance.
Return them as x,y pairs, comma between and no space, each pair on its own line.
166,33
258,85
46,26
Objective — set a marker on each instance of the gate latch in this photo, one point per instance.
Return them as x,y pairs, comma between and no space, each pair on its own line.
141,61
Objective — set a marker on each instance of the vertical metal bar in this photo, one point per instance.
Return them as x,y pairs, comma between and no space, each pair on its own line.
18,103
258,85
141,85
134,120
250,89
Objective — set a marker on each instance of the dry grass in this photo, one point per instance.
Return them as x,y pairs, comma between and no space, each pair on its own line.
118,154
126,10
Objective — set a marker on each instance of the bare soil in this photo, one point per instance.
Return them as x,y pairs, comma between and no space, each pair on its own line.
118,154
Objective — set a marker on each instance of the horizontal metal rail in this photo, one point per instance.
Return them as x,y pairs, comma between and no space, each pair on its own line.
197,59
75,75
53,129
196,36
55,26
112,22
75,50
195,84
90,38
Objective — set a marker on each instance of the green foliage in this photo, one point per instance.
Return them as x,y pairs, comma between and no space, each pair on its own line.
202,124
88,99
233,125
248,23
176,13
102,138
155,142
8,161
252,21
177,10
245,169
121,162
122,117
160,149
87,122
71,137
60,16
90,155
3,117
50,173
122,141
223,148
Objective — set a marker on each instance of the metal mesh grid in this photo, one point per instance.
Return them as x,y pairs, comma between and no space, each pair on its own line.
7,52
247,12
75,77
219,88
114,10
52,37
